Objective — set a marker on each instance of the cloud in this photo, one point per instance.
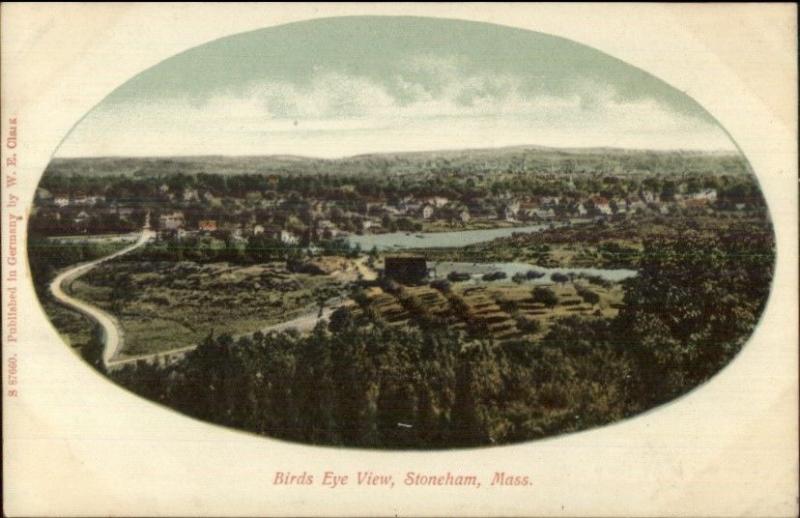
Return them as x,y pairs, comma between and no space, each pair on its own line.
431,102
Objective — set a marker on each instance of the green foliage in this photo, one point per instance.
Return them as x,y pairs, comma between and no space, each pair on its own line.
695,301
545,296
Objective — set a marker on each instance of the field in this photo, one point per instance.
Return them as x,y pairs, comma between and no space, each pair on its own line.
163,306
501,311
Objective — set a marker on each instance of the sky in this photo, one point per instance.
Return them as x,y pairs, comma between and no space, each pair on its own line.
345,86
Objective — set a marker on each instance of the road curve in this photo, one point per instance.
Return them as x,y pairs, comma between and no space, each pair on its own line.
303,323
112,337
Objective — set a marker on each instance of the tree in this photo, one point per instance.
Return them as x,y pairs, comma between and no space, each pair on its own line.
545,296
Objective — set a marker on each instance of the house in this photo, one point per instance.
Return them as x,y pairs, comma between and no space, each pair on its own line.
581,210
163,188
190,195
649,196
82,217
427,211
510,211
284,236
207,225
707,195
288,238
367,224
527,209
437,201
464,216
601,205
327,229
544,213
61,201
171,221
406,269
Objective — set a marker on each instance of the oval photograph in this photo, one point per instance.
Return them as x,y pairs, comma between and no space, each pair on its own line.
401,233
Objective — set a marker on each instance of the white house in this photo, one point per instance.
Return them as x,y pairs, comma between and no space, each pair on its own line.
601,205
438,201
289,238
171,221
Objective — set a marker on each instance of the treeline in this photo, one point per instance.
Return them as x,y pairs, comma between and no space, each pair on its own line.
223,247
694,303
725,174
369,385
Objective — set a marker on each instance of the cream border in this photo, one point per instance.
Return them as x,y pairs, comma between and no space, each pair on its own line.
76,445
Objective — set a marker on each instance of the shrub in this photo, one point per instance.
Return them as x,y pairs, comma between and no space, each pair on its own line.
545,295
529,325
588,296
494,276
440,284
458,277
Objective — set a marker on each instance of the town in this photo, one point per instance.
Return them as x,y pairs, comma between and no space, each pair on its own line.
523,278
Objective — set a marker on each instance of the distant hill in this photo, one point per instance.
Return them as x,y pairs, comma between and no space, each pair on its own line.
534,159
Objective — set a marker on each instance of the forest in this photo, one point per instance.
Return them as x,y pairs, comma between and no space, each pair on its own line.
356,382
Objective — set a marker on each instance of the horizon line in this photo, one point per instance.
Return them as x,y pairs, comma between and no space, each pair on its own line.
411,152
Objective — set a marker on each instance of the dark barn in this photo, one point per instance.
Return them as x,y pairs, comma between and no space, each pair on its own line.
406,269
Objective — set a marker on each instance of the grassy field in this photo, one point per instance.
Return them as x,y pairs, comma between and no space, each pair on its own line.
163,306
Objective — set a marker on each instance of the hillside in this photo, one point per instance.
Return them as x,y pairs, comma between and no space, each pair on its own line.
510,159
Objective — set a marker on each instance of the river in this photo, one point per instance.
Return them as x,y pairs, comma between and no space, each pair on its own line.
405,240
397,241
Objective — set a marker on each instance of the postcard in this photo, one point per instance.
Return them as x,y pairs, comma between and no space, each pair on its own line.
399,260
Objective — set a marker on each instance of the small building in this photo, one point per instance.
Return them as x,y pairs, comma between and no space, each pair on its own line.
601,205
649,196
367,224
544,214
427,211
171,221
406,269
207,225
438,201
190,195
464,216
707,195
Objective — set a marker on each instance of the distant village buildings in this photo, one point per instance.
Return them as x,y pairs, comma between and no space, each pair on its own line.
172,221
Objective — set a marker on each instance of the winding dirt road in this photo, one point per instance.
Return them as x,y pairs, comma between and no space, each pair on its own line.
113,341
112,337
